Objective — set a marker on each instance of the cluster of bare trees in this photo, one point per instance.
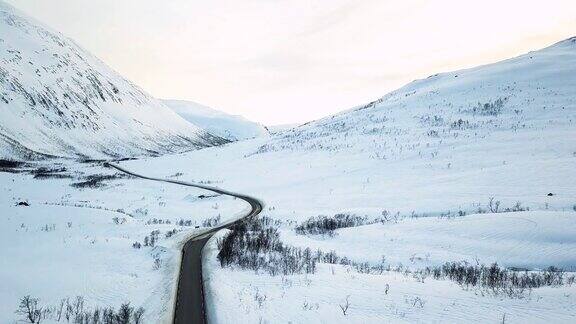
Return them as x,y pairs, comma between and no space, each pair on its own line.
149,240
255,244
211,221
327,225
74,311
97,180
491,108
159,221
498,279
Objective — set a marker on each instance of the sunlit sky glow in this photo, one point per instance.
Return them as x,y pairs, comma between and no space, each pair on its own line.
286,61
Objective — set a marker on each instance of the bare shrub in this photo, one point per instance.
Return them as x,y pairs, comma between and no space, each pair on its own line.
497,279
490,108
50,173
97,180
29,309
211,222
493,205
255,245
460,124
75,311
344,307
119,220
157,264
151,239
327,225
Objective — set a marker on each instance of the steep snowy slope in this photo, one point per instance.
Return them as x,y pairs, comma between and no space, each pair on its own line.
57,99
216,122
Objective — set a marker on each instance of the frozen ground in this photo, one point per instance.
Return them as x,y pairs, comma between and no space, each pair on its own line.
67,243
296,186
388,298
527,240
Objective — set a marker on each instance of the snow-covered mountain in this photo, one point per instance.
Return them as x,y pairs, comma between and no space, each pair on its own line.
534,90
216,122
446,167
58,99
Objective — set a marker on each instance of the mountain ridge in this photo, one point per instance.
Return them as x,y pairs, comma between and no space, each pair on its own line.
57,99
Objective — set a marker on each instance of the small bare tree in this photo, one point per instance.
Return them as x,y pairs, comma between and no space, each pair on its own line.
137,315
157,264
344,307
29,309
60,310
494,205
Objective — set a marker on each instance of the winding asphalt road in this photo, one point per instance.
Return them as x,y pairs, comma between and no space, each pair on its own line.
189,308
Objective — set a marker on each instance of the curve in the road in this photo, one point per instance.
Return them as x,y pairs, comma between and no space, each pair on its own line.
189,306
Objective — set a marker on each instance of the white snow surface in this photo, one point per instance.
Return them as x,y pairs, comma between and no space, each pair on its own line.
232,127
57,99
431,155
277,129
67,244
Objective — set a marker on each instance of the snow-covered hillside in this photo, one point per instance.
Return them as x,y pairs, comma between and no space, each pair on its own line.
216,122
277,129
57,99
474,166
534,90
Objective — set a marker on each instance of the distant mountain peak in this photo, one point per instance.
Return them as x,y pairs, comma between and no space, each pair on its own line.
231,127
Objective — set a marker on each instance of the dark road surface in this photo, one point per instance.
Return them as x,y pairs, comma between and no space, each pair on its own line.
189,307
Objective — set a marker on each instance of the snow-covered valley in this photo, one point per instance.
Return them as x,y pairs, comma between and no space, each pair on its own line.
475,166
80,235
393,211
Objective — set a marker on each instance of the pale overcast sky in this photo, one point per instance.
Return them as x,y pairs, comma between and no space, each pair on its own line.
285,61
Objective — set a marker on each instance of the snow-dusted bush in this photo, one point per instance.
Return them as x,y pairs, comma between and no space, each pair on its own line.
498,279
256,245
491,108
74,311
97,180
10,164
151,239
182,222
327,225
211,221
158,221
494,206
50,173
